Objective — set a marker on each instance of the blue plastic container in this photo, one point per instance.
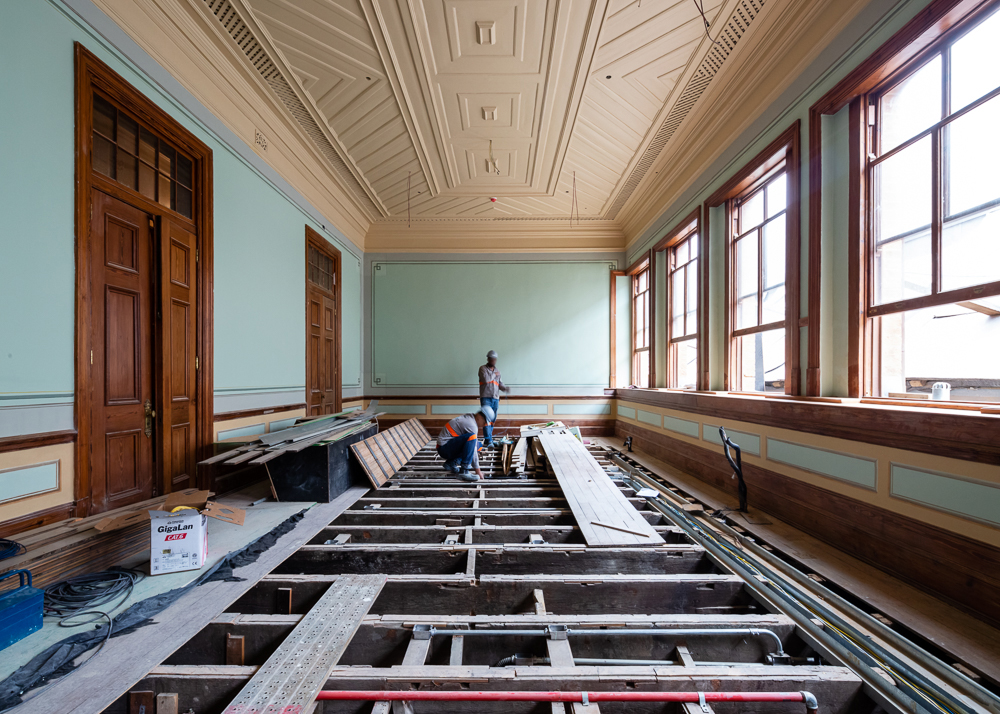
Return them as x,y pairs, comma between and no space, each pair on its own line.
20,610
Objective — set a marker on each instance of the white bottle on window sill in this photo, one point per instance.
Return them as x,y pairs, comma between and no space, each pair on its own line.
941,391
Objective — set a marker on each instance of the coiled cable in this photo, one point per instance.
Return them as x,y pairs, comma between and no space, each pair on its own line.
84,594
10,549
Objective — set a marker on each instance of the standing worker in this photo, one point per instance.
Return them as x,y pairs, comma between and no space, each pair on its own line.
490,386
458,444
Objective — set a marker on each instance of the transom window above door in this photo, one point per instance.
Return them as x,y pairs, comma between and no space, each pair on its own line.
129,153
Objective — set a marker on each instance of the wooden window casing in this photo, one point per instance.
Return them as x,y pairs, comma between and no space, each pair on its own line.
779,159
928,34
683,248
642,327
920,38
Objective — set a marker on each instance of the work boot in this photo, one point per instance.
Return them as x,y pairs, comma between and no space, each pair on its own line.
488,444
451,466
468,475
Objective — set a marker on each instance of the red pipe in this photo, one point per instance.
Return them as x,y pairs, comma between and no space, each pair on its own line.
585,697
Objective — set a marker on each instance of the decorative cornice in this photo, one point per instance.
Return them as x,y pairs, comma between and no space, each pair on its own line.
183,37
492,236
787,36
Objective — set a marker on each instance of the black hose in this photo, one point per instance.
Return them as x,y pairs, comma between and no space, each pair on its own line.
737,466
85,593
10,549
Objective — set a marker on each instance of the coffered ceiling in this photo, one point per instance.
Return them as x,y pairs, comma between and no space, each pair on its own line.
428,108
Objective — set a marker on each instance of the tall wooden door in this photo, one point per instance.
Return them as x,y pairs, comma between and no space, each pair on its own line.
178,253
322,326
122,360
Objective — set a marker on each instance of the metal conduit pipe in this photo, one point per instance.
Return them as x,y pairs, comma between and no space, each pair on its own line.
807,698
551,630
596,662
860,661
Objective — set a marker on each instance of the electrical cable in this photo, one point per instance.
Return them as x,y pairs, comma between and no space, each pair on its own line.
10,549
82,594
857,641
700,6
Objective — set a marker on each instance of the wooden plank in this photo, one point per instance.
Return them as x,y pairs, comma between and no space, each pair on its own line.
593,496
372,468
96,687
292,676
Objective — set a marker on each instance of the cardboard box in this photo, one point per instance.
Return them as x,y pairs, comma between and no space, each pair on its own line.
177,541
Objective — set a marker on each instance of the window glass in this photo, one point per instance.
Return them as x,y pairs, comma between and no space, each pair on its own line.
760,362
911,106
975,63
130,154
685,360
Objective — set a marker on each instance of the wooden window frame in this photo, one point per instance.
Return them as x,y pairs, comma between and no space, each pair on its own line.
920,38
91,74
644,263
690,225
917,37
785,148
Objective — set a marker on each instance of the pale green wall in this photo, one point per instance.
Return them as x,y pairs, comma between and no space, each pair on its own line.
623,330
432,322
259,233
884,18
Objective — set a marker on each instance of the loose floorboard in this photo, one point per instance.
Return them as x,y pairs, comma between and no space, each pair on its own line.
604,515
126,659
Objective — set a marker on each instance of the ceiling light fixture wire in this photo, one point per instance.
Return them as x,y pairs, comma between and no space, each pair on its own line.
700,6
493,162
575,205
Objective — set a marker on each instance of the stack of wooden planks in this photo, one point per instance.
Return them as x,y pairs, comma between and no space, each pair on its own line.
298,437
604,515
382,455
73,547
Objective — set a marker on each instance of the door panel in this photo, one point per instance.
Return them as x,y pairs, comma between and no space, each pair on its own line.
178,253
121,266
322,378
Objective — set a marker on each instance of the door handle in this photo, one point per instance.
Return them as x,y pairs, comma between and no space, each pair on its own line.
147,410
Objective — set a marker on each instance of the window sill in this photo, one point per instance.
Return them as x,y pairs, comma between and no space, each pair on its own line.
956,433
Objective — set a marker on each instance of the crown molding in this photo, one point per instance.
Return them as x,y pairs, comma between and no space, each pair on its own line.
264,38
787,37
190,44
493,236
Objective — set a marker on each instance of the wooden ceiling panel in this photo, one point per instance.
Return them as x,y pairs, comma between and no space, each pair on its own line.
423,87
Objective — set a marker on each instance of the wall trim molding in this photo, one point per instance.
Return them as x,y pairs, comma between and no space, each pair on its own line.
264,411
36,441
954,434
37,519
909,549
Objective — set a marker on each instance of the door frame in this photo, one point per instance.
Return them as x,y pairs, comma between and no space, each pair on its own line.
91,73
315,240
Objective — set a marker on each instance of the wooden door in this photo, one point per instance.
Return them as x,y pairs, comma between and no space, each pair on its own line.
178,254
322,327
122,363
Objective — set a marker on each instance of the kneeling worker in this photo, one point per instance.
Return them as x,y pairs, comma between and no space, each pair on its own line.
458,444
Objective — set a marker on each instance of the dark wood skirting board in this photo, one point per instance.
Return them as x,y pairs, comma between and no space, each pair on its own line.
911,550
36,441
475,397
264,411
588,427
37,519
959,435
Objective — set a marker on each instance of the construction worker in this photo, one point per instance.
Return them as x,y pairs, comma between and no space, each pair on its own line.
458,443
490,386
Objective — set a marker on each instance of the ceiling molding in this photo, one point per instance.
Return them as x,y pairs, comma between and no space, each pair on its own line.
193,48
788,35
470,236
736,26
240,23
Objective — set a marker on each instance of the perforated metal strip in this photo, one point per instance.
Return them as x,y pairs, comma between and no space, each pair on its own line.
290,679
